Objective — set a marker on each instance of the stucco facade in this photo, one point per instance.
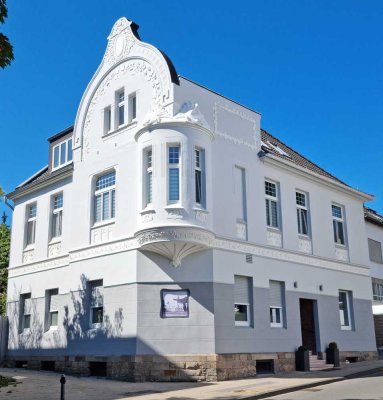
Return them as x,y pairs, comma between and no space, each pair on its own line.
164,189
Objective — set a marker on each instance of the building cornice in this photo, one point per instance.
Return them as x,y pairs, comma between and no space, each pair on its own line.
273,160
194,235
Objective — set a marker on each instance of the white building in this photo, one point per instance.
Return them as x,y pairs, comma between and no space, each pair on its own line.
171,238
374,228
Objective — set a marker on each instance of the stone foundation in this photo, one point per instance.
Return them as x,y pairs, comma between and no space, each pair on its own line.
183,368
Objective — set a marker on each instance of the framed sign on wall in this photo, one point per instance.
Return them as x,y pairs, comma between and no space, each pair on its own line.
175,303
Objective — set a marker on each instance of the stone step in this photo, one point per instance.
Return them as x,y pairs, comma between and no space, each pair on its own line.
317,364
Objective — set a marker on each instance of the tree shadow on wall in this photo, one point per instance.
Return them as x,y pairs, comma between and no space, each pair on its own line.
77,320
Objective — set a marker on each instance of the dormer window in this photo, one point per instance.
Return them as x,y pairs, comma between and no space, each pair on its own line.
62,154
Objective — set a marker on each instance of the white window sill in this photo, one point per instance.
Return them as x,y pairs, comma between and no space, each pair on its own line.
175,206
304,237
26,331
112,132
241,221
273,229
29,247
55,240
341,246
279,326
96,327
244,324
61,165
345,328
148,210
103,223
200,209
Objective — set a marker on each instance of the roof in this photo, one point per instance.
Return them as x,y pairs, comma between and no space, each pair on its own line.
60,134
270,144
372,216
42,178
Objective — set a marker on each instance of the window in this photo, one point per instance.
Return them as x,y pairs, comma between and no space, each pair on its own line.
173,173
375,251
272,213
199,173
338,224
31,224
57,215
132,107
148,165
120,97
25,311
377,291
52,307
96,303
105,197
302,213
344,309
107,119
276,295
243,298
62,153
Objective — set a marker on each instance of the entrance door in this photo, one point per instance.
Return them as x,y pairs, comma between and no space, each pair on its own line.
308,324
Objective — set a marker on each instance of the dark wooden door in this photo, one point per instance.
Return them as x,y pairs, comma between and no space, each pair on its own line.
308,324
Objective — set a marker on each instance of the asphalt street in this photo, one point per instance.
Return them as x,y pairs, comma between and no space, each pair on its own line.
364,388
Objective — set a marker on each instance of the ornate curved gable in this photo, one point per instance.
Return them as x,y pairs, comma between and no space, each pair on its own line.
126,55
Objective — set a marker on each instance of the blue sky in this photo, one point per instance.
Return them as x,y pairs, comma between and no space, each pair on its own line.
313,69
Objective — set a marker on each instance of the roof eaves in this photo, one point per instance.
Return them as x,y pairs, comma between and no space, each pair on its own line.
60,134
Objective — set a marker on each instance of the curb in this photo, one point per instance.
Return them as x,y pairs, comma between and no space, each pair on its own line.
314,384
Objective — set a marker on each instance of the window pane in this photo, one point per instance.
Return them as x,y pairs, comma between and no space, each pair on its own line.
55,224
173,184
268,221
54,318
70,153
32,211
240,312
58,202
27,321
31,232
97,315
134,110
300,199
121,114
198,186
340,232
274,214
113,211
149,184
106,180
97,208
63,153
174,155
302,221
336,211
270,189
105,205
56,156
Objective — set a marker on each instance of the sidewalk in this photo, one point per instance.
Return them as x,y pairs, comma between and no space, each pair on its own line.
41,385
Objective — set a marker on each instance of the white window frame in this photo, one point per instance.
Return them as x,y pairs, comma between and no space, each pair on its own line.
301,209
120,104
273,316
243,323
111,189
23,298
173,166
92,286
57,213
31,220
269,199
107,119
377,291
61,163
199,168
148,176
132,107
336,225
52,292
341,317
